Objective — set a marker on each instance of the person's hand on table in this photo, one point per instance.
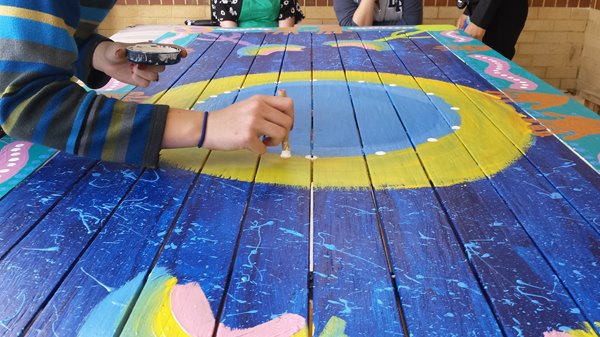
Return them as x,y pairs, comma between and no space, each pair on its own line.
228,24
475,31
242,125
111,58
460,23
252,124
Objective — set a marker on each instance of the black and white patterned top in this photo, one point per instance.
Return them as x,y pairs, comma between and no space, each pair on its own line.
229,10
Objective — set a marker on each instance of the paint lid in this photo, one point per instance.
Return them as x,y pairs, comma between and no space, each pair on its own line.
153,53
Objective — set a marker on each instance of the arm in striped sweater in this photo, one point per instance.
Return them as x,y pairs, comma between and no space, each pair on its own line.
43,45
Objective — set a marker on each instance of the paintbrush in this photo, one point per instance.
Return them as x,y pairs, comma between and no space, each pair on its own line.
286,151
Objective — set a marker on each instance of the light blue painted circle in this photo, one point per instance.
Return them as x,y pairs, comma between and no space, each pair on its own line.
439,117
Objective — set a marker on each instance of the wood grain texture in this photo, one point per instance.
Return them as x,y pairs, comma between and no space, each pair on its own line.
569,120
575,179
190,86
37,264
172,73
440,295
265,284
552,226
84,304
523,269
206,236
30,201
418,202
352,280
296,79
219,94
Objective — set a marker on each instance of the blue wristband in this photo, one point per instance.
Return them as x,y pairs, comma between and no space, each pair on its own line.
203,135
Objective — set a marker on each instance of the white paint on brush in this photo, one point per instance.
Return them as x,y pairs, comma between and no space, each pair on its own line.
286,154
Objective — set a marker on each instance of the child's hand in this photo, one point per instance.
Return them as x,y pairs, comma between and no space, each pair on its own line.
460,23
475,31
241,125
111,58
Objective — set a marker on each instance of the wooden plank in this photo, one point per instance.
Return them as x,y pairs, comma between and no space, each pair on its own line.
167,80
117,89
353,292
199,265
552,226
84,216
433,277
35,266
97,293
172,73
186,91
22,209
195,88
18,159
224,88
268,290
133,276
578,182
573,123
296,79
500,250
201,249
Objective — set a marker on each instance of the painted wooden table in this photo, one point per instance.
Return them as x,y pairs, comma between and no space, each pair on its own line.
435,189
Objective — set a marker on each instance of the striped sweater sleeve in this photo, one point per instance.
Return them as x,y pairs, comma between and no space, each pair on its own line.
43,44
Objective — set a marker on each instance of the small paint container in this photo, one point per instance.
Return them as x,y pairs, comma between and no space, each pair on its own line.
152,53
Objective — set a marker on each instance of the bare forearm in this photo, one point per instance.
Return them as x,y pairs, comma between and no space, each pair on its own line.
228,24
364,13
183,128
289,22
238,126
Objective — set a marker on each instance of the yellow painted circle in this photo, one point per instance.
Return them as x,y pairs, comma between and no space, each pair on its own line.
492,135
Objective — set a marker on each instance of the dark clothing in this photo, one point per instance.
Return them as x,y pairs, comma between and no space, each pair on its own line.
503,21
409,12
231,10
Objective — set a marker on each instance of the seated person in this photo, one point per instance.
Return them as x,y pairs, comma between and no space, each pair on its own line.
497,23
256,13
378,12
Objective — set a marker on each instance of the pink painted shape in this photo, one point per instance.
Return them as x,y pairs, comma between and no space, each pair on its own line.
285,325
13,157
233,38
555,333
193,29
113,85
453,34
501,69
192,311
598,157
177,36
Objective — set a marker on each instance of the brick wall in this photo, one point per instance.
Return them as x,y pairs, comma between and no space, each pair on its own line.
559,44
589,73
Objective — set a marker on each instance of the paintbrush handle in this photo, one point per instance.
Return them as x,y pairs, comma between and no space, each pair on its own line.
286,151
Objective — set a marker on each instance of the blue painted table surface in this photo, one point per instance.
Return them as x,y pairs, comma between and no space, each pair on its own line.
435,189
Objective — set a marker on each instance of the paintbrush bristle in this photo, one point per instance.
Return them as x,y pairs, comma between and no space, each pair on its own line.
286,154
286,151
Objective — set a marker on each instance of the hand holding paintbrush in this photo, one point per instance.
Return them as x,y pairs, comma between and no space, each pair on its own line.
286,151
